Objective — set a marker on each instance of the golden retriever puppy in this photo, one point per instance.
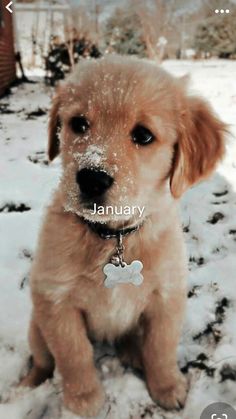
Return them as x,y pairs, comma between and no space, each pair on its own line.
130,137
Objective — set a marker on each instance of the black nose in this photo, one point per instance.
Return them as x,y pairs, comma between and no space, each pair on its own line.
93,182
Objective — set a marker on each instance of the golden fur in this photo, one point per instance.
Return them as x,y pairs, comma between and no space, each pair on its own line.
70,303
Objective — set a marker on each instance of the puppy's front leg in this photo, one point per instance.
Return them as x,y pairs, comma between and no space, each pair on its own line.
162,325
64,330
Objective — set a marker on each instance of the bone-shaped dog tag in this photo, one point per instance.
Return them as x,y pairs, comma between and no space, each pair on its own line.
126,274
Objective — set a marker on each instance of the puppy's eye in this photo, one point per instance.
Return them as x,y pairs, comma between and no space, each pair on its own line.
141,135
79,124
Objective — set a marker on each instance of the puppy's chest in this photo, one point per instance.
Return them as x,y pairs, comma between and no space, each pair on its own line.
116,313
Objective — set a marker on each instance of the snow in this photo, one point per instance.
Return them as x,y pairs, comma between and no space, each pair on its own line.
209,221
93,156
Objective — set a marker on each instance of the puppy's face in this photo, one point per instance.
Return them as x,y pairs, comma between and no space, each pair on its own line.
129,136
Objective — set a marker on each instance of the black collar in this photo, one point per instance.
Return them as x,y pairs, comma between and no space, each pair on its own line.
106,233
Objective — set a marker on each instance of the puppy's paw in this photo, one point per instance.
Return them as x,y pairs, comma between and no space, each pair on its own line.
172,395
85,404
35,377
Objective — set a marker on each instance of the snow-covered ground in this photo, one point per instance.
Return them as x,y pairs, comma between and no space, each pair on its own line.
207,352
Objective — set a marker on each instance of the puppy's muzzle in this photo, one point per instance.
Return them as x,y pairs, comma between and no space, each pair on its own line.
93,182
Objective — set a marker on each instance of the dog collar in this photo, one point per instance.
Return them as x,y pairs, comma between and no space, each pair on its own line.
116,270
107,233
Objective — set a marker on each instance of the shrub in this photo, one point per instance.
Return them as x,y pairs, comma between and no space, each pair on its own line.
123,33
58,61
216,36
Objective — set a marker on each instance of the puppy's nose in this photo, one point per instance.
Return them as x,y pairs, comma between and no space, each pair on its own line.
93,182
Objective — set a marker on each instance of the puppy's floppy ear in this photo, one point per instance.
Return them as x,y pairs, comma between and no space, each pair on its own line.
54,129
200,145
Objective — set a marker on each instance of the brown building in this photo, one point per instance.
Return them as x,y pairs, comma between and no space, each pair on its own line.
7,54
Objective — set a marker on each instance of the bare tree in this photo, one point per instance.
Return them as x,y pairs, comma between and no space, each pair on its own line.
35,34
169,26
158,23
77,25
